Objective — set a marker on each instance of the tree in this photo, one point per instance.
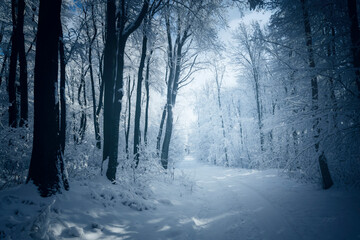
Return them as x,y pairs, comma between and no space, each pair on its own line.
137,133
18,49
219,77
91,40
147,91
129,92
47,170
184,22
114,60
325,173
249,55
145,32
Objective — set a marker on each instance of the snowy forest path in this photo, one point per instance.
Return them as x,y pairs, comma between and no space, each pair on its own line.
228,206
228,203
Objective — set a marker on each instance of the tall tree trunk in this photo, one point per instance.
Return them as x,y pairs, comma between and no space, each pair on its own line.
258,107
127,127
170,88
218,87
137,133
46,166
325,173
355,39
175,64
13,110
109,76
147,91
80,133
23,65
173,84
91,40
114,100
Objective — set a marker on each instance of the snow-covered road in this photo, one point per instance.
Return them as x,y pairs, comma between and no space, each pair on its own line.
204,202
241,204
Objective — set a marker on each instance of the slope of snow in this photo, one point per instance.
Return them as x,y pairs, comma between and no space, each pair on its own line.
202,202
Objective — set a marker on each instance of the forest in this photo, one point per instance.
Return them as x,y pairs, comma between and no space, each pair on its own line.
179,119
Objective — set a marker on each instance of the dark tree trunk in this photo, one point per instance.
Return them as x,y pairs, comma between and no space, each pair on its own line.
47,167
113,98
127,127
168,107
109,76
325,173
91,40
173,85
117,105
23,65
147,91
101,96
355,39
258,108
79,134
158,139
137,133
13,110
167,137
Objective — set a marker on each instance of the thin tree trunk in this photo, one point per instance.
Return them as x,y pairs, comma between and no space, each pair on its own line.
325,173
175,61
13,110
158,139
92,81
100,104
147,90
83,104
258,107
23,65
218,86
127,128
137,133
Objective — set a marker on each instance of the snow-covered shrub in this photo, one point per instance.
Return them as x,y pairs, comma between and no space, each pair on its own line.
83,161
15,154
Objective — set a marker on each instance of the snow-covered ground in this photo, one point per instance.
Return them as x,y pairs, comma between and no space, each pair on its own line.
203,202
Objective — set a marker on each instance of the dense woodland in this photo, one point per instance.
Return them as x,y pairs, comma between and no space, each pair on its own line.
91,86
